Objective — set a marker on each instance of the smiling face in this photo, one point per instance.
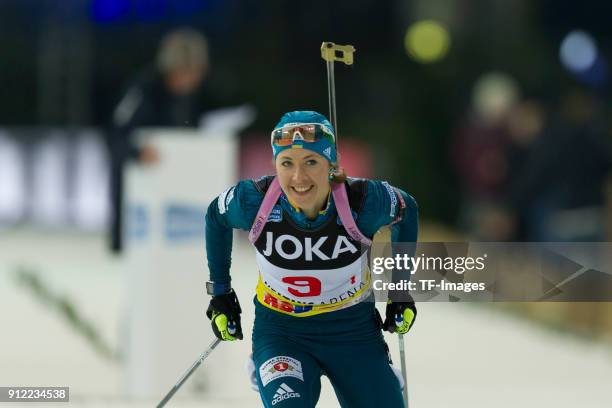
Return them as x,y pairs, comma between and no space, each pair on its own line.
303,176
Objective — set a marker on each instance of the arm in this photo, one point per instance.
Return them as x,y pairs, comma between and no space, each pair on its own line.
407,230
401,307
127,116
218,234
135,109
236,208
382,207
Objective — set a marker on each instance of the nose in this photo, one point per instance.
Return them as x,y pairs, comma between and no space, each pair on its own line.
299,175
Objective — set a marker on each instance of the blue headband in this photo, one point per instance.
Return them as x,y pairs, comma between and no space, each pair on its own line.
324,147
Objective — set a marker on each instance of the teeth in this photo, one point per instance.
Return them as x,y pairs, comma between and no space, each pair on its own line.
301,189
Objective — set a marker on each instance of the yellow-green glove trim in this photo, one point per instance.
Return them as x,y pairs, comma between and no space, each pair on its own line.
220,321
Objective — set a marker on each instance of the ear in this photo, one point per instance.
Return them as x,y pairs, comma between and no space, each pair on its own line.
337,175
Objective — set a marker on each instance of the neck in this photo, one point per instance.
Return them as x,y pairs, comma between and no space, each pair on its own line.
312,212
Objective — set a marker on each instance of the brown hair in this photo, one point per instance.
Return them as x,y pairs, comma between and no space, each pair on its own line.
339,176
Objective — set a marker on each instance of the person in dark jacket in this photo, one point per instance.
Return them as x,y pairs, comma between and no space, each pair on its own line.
170,94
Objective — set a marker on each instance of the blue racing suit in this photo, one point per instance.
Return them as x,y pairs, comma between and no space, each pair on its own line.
291,350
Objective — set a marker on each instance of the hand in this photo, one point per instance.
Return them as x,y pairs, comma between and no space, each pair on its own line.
224,314
399,317
148,155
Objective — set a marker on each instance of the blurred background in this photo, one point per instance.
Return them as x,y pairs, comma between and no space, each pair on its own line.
493,114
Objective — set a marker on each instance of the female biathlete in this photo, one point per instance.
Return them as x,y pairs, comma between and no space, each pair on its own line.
314,308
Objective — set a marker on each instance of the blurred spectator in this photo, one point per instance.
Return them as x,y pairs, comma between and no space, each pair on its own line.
480,156
170,94
530,176
525,124
560,192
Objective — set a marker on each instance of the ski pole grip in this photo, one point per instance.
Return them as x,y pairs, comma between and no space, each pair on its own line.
333,52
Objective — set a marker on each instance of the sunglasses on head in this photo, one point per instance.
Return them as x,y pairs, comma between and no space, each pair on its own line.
306,132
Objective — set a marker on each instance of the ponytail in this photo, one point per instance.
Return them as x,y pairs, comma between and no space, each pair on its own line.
337,175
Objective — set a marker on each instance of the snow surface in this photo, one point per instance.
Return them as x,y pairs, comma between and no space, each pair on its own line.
459,355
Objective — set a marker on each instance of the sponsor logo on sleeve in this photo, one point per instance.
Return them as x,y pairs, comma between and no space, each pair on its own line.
393,198
224,199
280,366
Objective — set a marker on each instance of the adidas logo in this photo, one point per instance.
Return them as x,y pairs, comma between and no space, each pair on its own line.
327,151
284,392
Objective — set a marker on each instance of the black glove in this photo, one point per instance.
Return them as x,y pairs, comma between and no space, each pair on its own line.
224,313
399,317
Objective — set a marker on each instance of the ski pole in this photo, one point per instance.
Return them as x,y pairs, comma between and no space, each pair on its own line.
403,364
331,52
190,371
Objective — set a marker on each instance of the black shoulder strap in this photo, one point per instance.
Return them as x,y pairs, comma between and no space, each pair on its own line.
356,189
263,183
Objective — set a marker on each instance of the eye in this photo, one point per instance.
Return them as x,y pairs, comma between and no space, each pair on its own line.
311,162
286,163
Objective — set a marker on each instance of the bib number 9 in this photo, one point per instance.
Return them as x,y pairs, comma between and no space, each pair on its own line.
309,285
